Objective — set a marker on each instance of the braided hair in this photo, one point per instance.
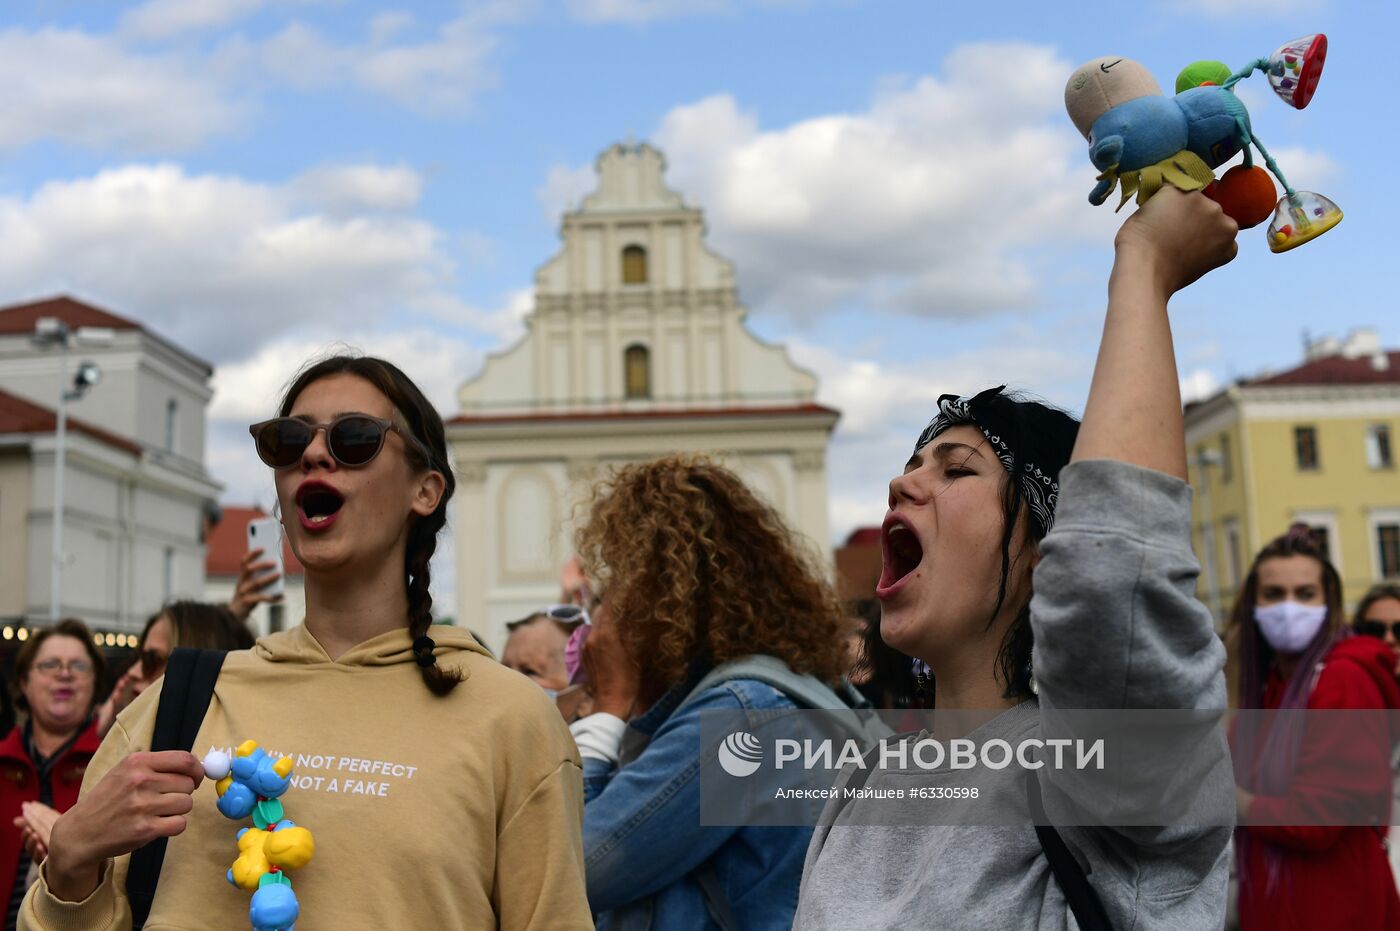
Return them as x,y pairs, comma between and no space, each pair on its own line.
424,423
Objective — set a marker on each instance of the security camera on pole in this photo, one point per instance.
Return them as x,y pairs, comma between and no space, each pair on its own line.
51,331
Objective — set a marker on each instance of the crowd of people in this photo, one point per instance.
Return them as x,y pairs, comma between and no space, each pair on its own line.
1031,561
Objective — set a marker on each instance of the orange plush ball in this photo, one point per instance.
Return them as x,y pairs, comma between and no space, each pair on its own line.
1246,195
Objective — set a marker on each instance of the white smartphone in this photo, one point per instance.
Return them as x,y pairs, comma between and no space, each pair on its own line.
264,533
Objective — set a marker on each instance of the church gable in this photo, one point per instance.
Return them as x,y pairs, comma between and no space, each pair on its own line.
635,312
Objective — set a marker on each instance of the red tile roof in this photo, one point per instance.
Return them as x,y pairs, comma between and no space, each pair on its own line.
864,536
18,415
227,541
654,413
1337,370
21,318
859,565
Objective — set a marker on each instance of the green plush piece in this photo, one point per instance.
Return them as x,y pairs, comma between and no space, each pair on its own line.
1202,72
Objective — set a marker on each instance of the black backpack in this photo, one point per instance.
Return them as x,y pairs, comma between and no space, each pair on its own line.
184,698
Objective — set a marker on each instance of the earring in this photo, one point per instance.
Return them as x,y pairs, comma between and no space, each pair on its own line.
1030,678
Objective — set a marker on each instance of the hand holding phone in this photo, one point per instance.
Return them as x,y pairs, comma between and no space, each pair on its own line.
260,576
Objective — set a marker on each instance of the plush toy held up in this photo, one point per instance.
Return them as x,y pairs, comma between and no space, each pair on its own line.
1142,139
251,783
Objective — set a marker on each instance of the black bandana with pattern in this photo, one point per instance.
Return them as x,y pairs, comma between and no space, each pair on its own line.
1032,440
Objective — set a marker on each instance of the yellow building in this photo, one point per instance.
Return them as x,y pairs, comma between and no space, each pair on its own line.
1315,444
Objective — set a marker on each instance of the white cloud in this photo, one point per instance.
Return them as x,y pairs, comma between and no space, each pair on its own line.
344,189
439,76
222,265
162,19
927,202
564,188
1199,385
90,91
640,11
884,406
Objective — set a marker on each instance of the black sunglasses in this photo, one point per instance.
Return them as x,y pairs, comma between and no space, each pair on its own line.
353,439
1370,628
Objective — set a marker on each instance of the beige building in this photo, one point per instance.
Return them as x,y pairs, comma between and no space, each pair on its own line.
1314,443
137,492
636,347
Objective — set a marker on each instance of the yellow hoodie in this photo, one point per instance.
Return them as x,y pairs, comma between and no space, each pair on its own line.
462,812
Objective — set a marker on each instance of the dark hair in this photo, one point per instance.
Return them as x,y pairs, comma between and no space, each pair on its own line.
1379,592
202,625
1030,431
1255,654
24,661
424,423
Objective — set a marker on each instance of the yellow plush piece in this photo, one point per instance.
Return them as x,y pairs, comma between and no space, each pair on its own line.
290,848
246,748
222,785
1184,170
252,863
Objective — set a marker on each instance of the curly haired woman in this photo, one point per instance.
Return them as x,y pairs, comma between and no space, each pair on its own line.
709,604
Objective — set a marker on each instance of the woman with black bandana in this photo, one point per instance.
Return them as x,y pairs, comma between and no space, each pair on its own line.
996,487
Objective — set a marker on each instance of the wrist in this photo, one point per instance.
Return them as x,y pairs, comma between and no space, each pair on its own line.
71,879
1136,265
616,705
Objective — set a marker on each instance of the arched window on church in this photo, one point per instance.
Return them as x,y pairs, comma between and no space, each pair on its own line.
638,369
634,265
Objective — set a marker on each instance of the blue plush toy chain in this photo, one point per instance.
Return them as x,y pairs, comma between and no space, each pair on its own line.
250,784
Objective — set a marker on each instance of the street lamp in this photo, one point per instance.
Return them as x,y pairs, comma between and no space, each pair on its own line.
1205,460
50,331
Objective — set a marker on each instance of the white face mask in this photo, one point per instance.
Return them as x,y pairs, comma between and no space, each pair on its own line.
1289,626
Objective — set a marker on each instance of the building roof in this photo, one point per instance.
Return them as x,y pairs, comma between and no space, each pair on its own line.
1339,370
22,318
654,413
227,541
859,564
18,415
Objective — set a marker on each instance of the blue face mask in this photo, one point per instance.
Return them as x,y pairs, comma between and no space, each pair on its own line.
552,693
1289,626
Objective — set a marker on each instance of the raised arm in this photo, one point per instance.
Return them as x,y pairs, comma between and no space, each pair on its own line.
1134,409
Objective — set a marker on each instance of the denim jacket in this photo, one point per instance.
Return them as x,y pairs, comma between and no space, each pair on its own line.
642,836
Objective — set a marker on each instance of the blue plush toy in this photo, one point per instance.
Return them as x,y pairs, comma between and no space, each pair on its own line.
1142,139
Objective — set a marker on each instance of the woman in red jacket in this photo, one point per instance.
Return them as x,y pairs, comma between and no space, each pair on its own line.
1328,868
43,760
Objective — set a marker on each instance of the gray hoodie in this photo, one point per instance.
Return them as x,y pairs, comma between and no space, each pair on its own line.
1117,625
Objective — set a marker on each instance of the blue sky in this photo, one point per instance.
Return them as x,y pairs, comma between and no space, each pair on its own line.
896,182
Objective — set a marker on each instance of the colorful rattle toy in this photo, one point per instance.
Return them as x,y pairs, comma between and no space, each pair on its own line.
1143,139
251,783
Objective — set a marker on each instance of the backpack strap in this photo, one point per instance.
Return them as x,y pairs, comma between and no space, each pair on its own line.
1083,899
184,698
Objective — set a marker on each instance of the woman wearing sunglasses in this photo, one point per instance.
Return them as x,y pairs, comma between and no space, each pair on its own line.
1378,615
442,789
195,624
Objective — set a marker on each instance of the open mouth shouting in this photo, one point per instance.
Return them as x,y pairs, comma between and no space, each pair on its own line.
318,505
903,553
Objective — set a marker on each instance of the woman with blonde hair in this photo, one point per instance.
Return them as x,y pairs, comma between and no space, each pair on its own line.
709,603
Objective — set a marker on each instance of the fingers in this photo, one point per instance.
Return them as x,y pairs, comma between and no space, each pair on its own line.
172,763
251,556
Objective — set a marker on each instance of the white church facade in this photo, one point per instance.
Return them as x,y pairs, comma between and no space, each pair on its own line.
636,348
